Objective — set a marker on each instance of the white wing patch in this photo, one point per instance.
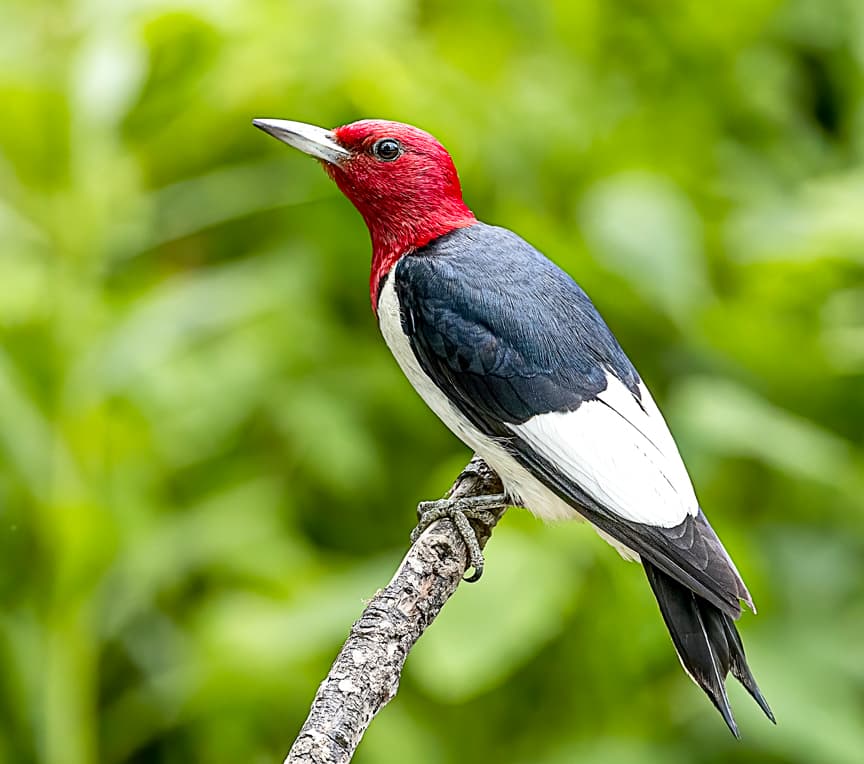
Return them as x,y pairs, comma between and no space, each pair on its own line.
618,453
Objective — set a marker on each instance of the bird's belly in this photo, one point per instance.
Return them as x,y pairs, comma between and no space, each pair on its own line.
521,486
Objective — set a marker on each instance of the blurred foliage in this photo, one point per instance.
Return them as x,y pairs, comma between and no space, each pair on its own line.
208,458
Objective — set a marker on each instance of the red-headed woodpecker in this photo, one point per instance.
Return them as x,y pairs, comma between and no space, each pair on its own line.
515,359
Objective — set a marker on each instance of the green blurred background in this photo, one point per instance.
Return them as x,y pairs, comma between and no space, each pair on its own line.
208,457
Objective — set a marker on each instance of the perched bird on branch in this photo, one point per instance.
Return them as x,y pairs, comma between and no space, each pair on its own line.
514,358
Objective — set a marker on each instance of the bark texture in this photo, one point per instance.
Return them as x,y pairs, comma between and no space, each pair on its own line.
365,674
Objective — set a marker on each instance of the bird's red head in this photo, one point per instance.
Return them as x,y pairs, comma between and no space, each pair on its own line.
400,178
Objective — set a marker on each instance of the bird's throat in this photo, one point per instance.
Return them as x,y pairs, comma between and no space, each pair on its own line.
392,238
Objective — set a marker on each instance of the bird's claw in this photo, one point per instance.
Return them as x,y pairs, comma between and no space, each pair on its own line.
481,509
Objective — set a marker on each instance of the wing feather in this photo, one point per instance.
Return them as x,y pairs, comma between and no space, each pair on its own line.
619,454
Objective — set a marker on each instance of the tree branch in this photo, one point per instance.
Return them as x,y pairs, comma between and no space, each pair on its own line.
365,675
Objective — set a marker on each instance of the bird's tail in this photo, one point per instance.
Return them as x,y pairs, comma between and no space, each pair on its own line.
706,640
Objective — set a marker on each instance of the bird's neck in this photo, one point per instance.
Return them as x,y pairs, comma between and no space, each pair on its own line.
396,235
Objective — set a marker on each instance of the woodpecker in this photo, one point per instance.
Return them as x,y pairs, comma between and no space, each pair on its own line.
513,357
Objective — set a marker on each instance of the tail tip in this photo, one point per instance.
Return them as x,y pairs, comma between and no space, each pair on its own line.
731,724
722,704
763,704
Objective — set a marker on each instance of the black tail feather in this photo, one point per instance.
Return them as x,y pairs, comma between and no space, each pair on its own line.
707,642
740,669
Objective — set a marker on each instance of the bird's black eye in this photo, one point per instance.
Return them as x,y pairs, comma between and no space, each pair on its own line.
387,149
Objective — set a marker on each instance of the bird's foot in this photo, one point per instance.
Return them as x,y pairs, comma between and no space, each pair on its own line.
483,510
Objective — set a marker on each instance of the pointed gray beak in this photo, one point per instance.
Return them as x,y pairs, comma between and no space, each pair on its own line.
314,141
